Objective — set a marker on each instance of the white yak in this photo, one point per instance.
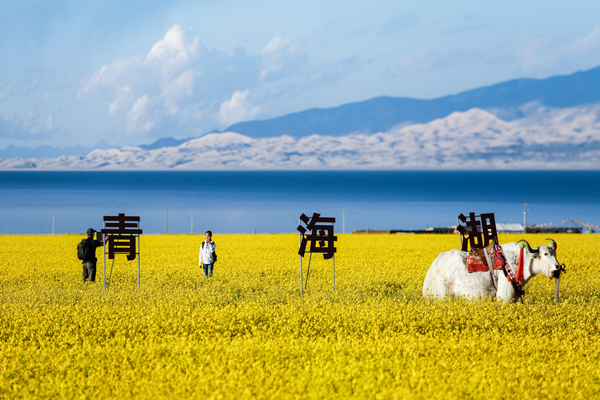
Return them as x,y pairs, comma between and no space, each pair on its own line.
448,275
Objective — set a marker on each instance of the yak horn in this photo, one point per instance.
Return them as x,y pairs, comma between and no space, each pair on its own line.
532,251
553,241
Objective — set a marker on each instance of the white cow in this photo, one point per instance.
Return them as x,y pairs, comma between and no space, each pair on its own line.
448,275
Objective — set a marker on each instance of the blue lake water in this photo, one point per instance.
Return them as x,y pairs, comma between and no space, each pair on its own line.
238,202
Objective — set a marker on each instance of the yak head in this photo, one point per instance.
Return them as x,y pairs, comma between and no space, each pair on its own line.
543,260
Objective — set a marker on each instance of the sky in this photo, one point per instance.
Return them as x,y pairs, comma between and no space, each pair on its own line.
128,73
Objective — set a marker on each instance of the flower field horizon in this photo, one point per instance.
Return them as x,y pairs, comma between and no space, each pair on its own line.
248,333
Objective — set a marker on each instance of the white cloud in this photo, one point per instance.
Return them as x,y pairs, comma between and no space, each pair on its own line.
123,99
177,89
543,55
138,117
428,58
533,56
166,59
14,129
277,55
189,88
174,46
28,124
168,56
591,39
532,53
49,123
276,44
111,74
164,75
237,109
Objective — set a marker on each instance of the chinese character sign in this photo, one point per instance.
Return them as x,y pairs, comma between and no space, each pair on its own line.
122,232
474,237
321,235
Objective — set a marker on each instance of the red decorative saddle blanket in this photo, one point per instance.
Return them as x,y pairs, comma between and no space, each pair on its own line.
476,261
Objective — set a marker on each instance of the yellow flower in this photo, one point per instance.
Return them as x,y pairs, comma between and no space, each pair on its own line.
248,333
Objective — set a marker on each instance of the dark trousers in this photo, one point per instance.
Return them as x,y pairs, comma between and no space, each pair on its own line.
89,271
208,268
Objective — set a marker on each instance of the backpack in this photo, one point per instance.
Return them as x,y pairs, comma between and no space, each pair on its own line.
214,254
81,249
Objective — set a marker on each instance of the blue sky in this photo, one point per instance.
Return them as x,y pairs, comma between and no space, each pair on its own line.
77,72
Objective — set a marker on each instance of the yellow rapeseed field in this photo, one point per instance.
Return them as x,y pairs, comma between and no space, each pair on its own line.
247,333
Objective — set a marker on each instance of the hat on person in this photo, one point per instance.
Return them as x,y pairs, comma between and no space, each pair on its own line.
91,231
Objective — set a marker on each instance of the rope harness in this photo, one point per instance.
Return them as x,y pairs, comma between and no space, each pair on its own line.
515,282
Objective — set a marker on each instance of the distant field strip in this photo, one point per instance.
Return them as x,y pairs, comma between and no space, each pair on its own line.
247,332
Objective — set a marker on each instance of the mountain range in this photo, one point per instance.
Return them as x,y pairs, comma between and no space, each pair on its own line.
474,139
508,100
519,124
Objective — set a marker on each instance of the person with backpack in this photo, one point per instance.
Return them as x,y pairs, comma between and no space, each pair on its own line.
86,251
207,255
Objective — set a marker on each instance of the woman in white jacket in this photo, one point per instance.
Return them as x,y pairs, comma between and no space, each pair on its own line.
207,254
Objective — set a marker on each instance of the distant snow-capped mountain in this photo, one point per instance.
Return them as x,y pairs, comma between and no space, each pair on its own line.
476,139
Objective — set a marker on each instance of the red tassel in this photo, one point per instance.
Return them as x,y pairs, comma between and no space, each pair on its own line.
520,268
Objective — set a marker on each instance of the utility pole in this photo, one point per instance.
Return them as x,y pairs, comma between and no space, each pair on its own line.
525,210
166,217
192,231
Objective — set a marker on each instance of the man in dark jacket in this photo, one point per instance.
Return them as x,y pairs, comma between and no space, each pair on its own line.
89,261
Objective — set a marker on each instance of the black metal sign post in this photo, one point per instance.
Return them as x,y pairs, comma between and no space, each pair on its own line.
321,240
123,235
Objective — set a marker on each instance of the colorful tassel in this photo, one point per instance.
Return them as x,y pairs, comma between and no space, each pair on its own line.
520,268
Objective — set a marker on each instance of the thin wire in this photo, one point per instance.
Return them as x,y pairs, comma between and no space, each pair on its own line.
307,272
110,276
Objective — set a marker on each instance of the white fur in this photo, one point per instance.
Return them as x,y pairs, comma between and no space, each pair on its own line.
448,275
